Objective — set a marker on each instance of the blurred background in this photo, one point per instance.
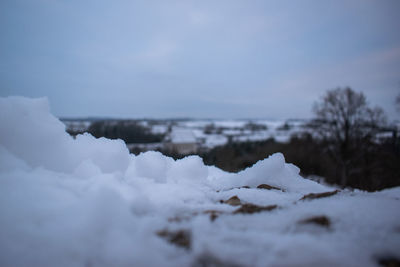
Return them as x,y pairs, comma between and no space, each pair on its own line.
231,81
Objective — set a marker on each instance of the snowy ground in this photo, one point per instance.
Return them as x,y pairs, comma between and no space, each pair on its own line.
211,133
88,202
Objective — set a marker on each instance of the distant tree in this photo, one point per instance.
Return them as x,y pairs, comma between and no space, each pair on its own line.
129,131
346,124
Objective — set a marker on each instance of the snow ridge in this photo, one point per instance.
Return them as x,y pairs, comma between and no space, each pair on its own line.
88,202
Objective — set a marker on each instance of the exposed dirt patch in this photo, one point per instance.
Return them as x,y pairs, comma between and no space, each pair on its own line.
213,214
233,201
268,187
209,260
251,208
319,195
318,220
180,238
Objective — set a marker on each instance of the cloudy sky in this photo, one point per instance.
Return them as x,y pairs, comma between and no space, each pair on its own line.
204,59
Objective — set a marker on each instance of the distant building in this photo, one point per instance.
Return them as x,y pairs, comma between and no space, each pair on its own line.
182,141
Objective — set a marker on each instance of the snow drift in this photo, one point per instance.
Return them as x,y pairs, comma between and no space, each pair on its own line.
88,202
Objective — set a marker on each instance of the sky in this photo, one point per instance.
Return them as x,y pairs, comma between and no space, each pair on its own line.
199,59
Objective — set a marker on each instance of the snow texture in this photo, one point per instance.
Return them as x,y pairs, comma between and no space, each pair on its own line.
182,136
88,202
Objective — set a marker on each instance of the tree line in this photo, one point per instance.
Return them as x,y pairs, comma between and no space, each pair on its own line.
343,148
127,130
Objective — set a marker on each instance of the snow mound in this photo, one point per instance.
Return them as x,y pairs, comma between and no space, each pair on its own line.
88,202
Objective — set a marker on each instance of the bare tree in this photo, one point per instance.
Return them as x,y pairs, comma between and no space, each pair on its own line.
346,123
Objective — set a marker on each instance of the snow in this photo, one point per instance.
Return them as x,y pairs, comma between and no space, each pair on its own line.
214,140
159,129
230,123
88,202
182,136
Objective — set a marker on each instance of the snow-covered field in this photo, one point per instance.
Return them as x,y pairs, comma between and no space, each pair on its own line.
210,133
88,202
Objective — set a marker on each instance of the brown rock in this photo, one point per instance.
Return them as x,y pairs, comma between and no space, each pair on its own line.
180,238
233,201
209,260
268,187
245,186
213,214
319,195
251,208
318,220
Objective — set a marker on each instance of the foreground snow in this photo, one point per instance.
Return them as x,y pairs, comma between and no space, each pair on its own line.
88,202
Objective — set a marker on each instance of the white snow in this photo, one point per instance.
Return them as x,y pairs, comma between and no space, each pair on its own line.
182,136
159,129
88,202
213,140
